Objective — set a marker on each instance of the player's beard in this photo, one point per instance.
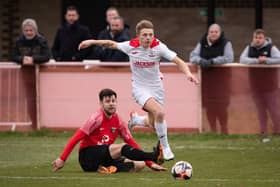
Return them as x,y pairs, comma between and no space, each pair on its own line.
109,112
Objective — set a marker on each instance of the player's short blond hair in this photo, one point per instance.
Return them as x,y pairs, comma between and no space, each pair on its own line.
143,24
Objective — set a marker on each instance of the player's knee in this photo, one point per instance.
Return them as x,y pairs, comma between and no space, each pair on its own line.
117,146
139,165
150,123
160,116
121,145
116,149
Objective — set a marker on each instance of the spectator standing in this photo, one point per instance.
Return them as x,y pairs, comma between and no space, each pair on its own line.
118,33
30,47
68,37
214,48
264,81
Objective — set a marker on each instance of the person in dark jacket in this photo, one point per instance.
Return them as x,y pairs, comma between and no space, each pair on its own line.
30,47
214,48
117,32
264,81
68,37
260,51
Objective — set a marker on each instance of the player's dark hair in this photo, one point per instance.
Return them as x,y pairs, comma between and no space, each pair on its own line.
143,24
106,92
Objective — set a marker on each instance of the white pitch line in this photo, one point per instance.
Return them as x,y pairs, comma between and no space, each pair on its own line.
240,180
55,178
142,179
224,147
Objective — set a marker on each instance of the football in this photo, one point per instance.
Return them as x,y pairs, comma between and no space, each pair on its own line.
182,170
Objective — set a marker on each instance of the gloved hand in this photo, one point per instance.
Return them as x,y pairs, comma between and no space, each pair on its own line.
205,63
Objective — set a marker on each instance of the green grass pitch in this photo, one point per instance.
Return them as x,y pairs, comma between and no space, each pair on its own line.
217,160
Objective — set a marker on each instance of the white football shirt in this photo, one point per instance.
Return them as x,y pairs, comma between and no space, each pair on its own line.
144,62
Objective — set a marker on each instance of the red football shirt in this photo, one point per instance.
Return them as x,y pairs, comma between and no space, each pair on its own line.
100,130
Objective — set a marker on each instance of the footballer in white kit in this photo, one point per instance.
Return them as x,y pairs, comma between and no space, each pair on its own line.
144,53
144,64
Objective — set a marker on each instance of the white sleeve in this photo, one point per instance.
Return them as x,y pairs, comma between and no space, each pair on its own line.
166,53
124,46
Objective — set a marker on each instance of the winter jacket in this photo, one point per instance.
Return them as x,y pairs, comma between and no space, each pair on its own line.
67,40
112,55
37,48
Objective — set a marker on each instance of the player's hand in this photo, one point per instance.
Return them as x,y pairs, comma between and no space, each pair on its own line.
192,78
57,164
157,167
85,44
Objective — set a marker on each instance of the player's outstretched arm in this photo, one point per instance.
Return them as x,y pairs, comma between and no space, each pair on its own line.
185,69
58,164
103,43
60,161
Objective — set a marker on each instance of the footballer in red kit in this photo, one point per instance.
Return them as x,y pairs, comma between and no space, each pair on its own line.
97,136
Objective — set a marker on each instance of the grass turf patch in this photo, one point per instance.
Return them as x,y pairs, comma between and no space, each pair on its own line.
218,160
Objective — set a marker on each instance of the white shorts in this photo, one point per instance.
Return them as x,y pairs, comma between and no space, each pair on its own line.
141,94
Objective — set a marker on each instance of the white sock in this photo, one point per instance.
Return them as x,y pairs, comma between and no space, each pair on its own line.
161,130
139,120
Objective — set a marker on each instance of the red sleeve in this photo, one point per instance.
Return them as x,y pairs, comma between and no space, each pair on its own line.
79,135
128,138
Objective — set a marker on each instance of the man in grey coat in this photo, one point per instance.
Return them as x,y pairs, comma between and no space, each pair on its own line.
260,51
214,48
264,81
